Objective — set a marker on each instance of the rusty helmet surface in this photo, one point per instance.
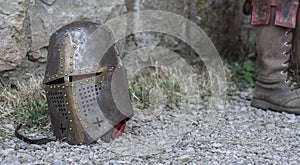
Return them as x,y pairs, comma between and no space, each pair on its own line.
85,83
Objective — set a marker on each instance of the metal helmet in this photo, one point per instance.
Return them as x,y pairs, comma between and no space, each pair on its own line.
85,83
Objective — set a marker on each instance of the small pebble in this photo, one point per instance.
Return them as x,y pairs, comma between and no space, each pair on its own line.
10,127
270,126
190,150
34,147
185,158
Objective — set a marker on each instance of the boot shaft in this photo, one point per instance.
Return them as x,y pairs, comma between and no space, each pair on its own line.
274,47
295,55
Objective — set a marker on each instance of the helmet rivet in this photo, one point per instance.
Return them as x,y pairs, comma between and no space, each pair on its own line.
72,85
58,86
69,112
59,50
74,94
67,85
66,35
80,82
86,126
76,102
71,71
62,73
63,87
71,56
71,63
80,119
49,78
66,74
71,121
70,129
67,103
65,95
74,46
56,76
61,66
61,58
87,80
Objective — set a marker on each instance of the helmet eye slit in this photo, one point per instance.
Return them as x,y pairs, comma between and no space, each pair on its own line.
82,77
56,82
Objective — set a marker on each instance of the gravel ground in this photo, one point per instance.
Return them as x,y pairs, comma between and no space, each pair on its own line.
239,134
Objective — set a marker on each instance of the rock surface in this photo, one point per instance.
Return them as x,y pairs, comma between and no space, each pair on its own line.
47,16
13,47
26,25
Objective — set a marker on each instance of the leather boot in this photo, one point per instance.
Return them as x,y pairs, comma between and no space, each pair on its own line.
276,86
295,56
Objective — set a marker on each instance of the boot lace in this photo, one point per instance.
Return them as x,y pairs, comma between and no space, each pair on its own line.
292,74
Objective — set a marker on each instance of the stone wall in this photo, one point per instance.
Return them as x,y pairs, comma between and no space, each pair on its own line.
26,25
222,20
13,48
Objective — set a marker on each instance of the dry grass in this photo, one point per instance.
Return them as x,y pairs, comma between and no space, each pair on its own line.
172,88
24,103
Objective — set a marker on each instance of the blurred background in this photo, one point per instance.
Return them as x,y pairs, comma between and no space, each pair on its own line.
26,25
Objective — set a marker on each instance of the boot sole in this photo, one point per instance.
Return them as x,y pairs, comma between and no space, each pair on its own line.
268,106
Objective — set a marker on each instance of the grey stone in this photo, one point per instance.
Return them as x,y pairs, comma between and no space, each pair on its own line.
13,46
270,126
10,127
217,145
26,26
190,150
185,158
152,39
211,16
34,147
53,16
6,152
25,157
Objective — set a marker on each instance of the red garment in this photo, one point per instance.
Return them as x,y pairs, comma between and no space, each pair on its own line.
286,12
118,129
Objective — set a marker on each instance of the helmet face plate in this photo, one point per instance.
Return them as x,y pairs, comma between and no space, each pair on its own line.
79,82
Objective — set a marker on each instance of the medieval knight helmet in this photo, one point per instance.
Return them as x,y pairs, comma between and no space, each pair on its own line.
85,82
